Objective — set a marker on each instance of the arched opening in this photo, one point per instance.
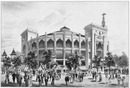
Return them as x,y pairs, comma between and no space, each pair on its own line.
59,43
68,44
50,43
41,44
99,45
34,45
83,44
76,44
99,49
24,49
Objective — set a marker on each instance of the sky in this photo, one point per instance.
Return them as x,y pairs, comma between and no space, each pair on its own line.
51,16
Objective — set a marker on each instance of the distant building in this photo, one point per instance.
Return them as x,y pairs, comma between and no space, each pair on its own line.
4,54
13,54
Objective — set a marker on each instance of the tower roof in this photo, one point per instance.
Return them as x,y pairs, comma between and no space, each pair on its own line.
13,52
4,53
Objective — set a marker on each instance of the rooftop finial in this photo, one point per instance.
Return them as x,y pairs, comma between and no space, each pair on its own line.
103,19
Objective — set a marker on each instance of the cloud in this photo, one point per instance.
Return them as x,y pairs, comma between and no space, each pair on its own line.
49,19
13,5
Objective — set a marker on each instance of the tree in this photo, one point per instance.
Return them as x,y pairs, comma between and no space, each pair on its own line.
48,56
31,60
74,60
96,61
7,62
16,61
109,60
70,61
121,61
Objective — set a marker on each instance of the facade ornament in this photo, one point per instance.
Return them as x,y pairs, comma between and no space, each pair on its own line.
103,20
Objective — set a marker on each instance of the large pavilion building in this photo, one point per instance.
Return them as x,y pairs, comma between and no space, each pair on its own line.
64,41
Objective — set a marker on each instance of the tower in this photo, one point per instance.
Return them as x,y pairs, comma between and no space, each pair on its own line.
96,41
25,37
13,54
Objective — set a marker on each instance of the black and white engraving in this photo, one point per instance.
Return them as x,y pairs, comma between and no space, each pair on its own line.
64,44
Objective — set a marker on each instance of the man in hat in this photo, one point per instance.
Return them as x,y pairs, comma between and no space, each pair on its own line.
67,79
46,79
13,77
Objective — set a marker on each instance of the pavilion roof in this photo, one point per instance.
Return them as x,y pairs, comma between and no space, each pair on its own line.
13,52
4,54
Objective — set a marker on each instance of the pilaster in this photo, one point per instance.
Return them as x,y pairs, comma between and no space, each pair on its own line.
45,41
87,51
54,37
104,44
72,42
94,44
92,47
79,43
64,46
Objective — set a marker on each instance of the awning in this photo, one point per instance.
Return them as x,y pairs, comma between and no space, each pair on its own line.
83,68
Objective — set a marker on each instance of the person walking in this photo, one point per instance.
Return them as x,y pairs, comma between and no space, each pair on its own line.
42,78
53,78
93,74
46,79
7,78
26,79
100,77
96,75
19,80
123,79
66,79
39,78
107,77
118,79
13,77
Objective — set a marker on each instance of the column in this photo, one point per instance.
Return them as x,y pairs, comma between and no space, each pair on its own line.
79,43
104,45
26,42
92,47
64,46
87,51
37,50
108,46
26,48
37,46
31,44
94,44
21,44
54,38
72,42
45,41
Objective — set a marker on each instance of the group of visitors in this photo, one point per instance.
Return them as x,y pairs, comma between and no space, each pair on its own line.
16,77
71,77
97,76
42,77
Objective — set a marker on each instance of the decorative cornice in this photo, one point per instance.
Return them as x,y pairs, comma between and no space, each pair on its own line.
91,26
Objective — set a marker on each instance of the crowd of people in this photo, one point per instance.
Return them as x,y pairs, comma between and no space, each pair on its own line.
28,77
42,77
71,77
98,76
